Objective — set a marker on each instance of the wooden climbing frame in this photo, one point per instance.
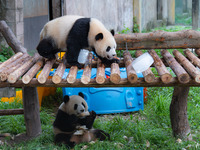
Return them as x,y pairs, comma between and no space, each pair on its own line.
20,71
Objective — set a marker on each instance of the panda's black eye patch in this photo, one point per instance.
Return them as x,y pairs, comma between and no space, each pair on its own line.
83,104
75,106
108,49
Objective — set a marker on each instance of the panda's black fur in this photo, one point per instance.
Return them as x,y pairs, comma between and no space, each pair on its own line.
77,34
67,125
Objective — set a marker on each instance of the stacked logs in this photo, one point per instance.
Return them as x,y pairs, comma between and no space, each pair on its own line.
23,67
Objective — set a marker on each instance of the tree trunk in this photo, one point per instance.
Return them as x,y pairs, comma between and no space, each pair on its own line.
178,113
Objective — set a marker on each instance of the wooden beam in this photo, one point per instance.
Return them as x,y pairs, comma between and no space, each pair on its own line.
31,111
195,14
159,40
11,112
10,38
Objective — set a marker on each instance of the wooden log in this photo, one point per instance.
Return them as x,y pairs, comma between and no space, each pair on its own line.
115,73
71,77
31,111
197,51
194,59
57,77
42,78
100,76
13,66
148,74
187,65
85,79
158,40
14,76
14,63
12,59
182,75
160,67
6,112
178,113
131,74
12,41
32,72
123,83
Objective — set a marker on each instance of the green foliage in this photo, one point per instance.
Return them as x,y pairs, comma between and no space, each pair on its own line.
5,53
183,19
135,25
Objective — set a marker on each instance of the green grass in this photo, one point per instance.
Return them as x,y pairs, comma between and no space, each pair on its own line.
128,131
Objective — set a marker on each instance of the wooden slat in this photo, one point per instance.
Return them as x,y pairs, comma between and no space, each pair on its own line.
85,79
194,59
187,65
71,77
115,73
45,71
131,74
100,76
57,77
182,75
5,112
160,67
148,74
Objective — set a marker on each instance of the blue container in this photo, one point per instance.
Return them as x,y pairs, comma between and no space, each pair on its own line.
109,100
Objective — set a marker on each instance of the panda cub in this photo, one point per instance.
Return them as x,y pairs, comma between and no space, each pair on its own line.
73,33
73,123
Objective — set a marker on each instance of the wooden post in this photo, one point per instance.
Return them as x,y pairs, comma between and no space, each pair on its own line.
195,14
178,113
31,111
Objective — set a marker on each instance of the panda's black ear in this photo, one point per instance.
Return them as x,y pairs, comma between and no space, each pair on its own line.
99,36
112,32
81,94
66,98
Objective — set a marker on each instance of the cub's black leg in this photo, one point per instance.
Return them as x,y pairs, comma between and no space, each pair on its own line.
64,139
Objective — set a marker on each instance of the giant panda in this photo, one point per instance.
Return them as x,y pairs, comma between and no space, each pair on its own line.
74,33
73,123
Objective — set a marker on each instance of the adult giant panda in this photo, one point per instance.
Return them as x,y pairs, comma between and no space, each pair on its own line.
76,33
73,123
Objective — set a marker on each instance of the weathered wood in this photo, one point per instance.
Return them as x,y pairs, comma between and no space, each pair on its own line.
12,41
5,112
197,51
158,40
194,59
100,76
195,14
71,77
182,75
85,79
178,113
148,74
187,65
31,111
14,76
160,67
10,60
57,77
123,83
45,71
13,66
131,74
115,73
32,72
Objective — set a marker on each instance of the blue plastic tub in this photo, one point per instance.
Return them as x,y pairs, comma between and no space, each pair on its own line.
109,100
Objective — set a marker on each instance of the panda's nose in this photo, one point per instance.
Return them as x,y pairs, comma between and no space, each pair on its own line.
82,110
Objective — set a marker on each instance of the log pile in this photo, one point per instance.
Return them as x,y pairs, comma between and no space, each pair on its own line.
175,69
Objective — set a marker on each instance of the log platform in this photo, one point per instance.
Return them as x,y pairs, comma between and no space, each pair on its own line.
178,70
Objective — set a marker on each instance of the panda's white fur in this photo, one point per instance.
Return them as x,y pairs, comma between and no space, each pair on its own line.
69,106
59,29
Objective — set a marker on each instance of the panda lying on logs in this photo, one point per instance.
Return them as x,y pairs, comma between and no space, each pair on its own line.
73,123
76,33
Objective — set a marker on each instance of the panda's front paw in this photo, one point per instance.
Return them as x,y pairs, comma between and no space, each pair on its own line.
115,60
93,114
